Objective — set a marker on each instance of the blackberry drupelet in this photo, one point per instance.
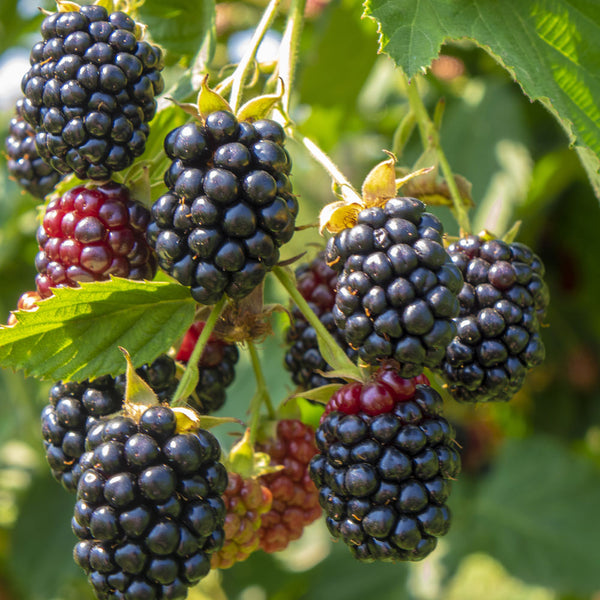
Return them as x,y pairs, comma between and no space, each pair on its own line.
397,287
229,207
386,458
90,90
316,282
76,408
246,500
501,303
24,163
295,498
149,512
216,369
91,234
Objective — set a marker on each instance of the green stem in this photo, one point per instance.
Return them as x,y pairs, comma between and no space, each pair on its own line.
241,72
261,395
348,192
330,349
288,53
190,376
431,139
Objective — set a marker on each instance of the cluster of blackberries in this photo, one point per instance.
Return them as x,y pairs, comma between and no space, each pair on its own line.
25,165
149,512
89,92
397,289
76,408
216,369
317,283
229,207
386,458
91,234
501,303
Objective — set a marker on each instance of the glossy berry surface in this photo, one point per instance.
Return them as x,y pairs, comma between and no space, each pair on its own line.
386,458
229,207
295,498
498,340
397,288
317,282
90,91
246,500
75,410
91,234
24,163
149,512
216,369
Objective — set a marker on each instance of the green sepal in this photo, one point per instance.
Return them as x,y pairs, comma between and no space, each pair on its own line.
189,420
511,235
289,409
322,394
67,6
259,107
245,461
137,391
209,101
187,107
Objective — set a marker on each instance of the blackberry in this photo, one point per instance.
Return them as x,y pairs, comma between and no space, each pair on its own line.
24,163
216,369
91,234
76,408
501,302
246,500
229,206
295,499
149,512
385,462
397,288
89,92
316,282
27,301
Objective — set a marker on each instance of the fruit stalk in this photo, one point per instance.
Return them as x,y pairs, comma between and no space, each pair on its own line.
430,138
331,351
288,53
261,395
189,379
239,75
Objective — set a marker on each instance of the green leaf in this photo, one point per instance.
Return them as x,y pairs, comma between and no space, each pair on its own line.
536,513
552,49
179,26
76,332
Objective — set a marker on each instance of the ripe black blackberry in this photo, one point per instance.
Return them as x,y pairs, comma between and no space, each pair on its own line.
216,369
149,512
91,234
229,207
501,302
24,163
89,93
75,408
384,468
316,281
397,287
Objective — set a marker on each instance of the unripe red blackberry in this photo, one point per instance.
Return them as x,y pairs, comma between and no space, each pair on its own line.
396,295
24,163
91,234
216,369
498,339
76,408
386,458
229,207
295,498
246,500
27,301
89,93
317,282
149,512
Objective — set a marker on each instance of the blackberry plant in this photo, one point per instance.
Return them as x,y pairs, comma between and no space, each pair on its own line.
229,207
90,91
25,165
385,463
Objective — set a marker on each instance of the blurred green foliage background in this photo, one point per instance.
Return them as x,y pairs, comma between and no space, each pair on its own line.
526,521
